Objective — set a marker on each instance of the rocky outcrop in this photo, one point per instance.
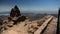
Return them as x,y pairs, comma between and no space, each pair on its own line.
27,27
15,17
1,22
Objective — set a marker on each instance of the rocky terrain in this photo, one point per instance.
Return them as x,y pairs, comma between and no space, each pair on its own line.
26,27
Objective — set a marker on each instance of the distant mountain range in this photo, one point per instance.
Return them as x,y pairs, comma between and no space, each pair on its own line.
4,12
41,12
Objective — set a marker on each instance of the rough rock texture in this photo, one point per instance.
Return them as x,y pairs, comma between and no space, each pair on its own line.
25,27
52,27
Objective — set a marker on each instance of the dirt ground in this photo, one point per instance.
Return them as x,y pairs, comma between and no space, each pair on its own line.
52,27
23,27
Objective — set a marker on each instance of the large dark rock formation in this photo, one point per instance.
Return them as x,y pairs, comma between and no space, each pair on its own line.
7,23
15,12
1,23
22,18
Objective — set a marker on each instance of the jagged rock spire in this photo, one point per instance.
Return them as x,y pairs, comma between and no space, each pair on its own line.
16,7
15,11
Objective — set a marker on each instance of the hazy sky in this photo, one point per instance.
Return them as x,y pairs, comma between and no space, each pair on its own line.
30,5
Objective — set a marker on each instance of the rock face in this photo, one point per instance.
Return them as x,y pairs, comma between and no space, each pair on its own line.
15,12
22,18
1,22
15,17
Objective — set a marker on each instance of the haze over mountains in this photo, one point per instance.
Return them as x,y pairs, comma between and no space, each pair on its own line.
36,12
